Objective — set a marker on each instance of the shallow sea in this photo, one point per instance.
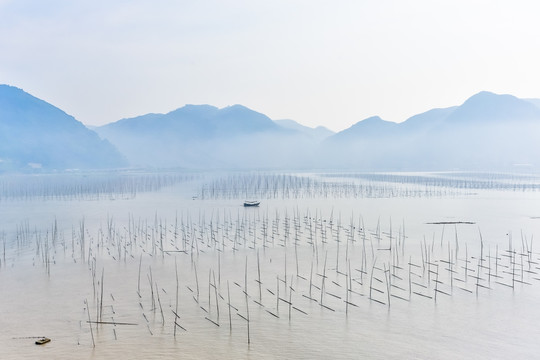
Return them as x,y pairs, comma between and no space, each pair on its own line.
397,274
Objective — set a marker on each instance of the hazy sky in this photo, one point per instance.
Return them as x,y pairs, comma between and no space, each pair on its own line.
330,63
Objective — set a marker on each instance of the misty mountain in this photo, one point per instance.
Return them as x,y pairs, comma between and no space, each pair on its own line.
535,102
194,122
426,121
319,133
35,134
488,131
493,108
365,130
198,136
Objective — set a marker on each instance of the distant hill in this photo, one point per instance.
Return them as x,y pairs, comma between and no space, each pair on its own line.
366,129
488,131
36,135
193,122
535,102
198,136
427,120
318,133
493,108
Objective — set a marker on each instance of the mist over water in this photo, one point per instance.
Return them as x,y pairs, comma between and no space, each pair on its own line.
334,265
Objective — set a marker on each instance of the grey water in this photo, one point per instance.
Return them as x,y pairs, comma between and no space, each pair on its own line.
378,266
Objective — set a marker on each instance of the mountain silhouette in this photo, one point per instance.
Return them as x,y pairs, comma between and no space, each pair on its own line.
319,133
35,134
488,131
198,136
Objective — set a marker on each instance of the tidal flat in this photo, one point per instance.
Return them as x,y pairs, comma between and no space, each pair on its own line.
329,265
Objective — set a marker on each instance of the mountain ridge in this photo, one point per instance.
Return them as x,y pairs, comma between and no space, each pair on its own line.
319,132
35,134
487,131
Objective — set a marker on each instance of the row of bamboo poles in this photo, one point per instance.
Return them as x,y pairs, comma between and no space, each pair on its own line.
280,263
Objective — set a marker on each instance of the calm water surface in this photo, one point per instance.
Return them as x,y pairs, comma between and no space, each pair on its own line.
444,275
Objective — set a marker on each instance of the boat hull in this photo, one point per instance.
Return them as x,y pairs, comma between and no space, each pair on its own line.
42,341
251,203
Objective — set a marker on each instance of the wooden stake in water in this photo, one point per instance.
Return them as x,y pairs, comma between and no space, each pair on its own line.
139,279
387,278
90,322
347,289
290,298
311,279
436,283
176,307
247,304
323,277
277,295
101,297
410,280
229,304
196,281
209,291
295,254
216,294
371,278
259,275
150,280
159,302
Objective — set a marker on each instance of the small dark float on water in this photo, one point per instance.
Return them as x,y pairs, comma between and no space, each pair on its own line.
251,203
42,341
